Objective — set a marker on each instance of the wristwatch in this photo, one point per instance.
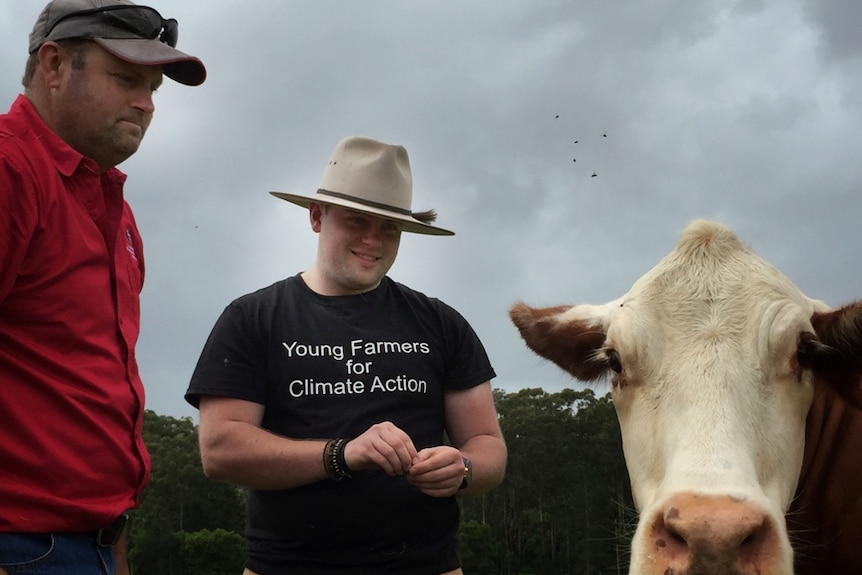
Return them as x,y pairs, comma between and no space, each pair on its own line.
468,474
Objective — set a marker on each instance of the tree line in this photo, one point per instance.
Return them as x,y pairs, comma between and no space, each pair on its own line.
564,507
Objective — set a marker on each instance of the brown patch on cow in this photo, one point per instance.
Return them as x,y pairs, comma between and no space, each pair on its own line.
572,345
825,517
840,363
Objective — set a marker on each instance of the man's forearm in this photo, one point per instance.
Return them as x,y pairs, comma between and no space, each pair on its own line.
121,556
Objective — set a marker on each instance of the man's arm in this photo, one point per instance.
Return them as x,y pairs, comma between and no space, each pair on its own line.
473,430
120,549
473,427
235,449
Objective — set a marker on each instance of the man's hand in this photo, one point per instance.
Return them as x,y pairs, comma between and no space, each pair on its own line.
437,471
383,446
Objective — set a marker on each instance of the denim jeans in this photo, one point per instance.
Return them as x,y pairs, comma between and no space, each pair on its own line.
54,554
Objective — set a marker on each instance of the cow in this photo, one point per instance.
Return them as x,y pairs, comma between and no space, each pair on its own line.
739,401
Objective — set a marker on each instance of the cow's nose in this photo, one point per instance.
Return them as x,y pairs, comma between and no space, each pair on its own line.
714,534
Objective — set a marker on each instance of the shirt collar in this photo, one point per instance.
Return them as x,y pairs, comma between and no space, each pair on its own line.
66,158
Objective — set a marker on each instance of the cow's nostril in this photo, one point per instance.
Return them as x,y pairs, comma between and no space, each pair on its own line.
702,534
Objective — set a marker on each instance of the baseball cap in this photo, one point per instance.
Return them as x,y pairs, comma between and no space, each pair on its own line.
136,34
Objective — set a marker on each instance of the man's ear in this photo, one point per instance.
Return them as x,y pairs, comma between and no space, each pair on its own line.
51,60
315,213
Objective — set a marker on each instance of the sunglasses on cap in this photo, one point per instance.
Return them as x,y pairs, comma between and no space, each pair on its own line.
142,21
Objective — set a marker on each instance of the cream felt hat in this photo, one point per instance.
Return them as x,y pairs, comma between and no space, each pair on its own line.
371,177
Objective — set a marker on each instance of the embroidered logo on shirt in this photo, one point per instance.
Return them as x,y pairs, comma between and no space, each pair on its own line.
130,245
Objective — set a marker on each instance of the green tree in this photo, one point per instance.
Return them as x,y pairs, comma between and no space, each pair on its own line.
478,548
206,552
562,507
179,499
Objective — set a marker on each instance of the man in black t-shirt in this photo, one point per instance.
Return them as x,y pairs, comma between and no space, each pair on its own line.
353,407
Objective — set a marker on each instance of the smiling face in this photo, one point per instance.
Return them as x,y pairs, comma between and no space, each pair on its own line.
354,250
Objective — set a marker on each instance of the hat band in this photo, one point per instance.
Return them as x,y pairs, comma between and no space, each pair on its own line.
364,202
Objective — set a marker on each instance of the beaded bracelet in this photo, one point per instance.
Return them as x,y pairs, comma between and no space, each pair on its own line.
333,459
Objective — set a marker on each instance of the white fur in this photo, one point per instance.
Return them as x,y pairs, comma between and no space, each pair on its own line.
709,401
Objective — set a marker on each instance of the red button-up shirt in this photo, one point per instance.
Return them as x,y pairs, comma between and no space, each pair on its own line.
72,456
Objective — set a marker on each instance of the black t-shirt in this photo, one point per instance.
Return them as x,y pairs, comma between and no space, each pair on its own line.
329,367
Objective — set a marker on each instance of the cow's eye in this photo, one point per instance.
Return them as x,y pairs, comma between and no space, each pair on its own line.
614,360
805,353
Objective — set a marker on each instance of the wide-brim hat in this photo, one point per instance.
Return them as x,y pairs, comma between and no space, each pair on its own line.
133,33
371,177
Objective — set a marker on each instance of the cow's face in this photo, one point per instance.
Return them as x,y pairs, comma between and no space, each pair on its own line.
707,381
708,358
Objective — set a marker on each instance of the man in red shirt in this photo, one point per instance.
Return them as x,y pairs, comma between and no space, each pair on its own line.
72,459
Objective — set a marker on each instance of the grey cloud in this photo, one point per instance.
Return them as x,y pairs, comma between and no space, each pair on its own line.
738,111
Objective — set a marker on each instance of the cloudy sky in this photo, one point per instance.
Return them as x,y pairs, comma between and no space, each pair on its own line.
748,112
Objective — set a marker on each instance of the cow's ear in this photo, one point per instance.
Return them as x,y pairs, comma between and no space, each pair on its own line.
571,343
841,367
